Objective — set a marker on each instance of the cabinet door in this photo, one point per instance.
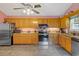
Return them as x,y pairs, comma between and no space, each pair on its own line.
35,38
34,23
21,40
63,41
60,40
65,23
40,21
44,20
25,23
17,21
68,45
54,23
49,23
55,38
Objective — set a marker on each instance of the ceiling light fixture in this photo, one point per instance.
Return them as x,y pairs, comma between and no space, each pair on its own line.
24,11
28,11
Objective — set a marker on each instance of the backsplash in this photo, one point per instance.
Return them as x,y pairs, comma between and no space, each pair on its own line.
34,30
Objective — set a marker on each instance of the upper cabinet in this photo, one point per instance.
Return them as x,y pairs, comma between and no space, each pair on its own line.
24,22
42,20
54,23
64,22
33,22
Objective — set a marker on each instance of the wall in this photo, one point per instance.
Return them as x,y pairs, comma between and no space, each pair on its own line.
74,7
2,16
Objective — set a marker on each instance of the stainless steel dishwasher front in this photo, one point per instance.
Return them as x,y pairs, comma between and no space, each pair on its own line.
75,47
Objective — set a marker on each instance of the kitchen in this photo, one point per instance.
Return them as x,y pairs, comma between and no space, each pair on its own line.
30,34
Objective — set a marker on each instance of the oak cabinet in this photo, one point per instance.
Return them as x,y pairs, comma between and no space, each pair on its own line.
68,44
59,40
62,41
64,22
56,38
65,42
40,21
24,22
33,22
53,23
44,20
21,38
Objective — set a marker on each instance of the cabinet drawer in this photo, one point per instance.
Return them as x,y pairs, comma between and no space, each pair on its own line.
22,40
19,35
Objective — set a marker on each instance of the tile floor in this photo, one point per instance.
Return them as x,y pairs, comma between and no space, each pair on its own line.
32,50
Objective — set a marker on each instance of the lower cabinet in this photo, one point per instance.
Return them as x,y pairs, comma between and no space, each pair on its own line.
21,38
65,42
55,36
69,44
59,40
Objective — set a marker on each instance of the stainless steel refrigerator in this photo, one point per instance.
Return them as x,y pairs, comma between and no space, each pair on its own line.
5,34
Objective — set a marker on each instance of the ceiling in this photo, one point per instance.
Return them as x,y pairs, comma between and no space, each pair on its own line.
47,9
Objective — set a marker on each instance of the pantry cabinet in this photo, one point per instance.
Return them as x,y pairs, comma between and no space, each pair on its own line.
22,38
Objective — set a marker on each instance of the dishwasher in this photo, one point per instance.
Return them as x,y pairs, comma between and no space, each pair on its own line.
75,47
